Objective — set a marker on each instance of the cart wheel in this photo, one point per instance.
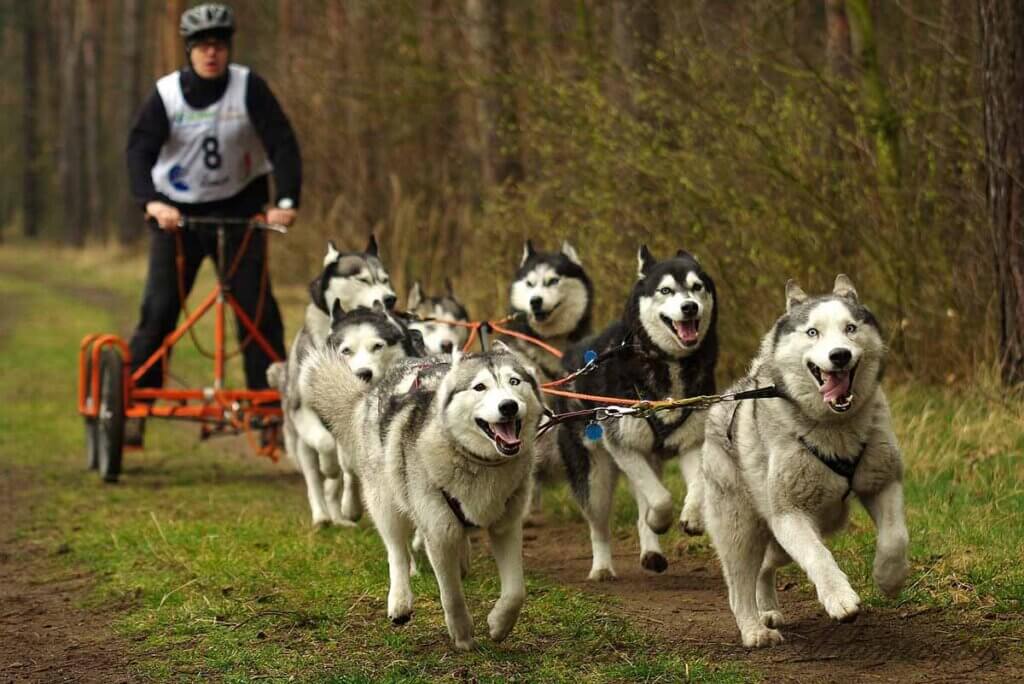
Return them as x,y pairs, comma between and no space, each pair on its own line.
92,453
110,423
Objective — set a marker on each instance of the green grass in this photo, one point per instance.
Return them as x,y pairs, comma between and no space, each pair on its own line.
208,552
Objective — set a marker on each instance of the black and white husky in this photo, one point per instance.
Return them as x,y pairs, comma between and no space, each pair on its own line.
444,444
439,337
552,298
779,472
347,281
671,347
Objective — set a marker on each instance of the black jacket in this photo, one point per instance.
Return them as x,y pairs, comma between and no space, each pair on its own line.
152,129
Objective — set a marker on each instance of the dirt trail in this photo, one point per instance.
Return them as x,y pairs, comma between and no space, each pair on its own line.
687,606
44,636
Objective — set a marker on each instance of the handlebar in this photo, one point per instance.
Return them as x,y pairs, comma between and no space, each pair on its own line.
200,222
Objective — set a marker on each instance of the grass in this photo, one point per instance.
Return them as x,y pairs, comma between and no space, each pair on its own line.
209,553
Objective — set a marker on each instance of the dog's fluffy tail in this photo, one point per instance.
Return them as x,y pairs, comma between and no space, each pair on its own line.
277,373
329,387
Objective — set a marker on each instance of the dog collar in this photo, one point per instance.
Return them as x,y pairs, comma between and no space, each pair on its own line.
843,467
456,507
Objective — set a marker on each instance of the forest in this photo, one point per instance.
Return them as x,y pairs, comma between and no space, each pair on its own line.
774,139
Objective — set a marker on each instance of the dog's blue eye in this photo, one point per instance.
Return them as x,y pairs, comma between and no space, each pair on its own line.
850,328
812,332
346,352
480,387
552,282
665,290
513,381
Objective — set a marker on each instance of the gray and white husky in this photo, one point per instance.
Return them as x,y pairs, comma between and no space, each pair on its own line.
779,472
552,298
438,337
668,346
443,445
347,281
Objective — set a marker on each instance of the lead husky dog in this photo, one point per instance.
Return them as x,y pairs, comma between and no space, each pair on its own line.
347,281
669,329
779,472
442,446
552,299
438,337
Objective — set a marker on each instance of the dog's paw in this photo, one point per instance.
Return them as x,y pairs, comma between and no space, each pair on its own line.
399,620
691,523
761,636
659,519
653,561
890,574
399,606
501,621
602,575
342,522
467,644
772,619
842,604
321,523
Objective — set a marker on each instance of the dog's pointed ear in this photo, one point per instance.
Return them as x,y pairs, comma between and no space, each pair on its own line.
500,346
528,251
332,253
844,287
795,296
415,297
371,246
644,261
687,255
570,253
336,311
449,291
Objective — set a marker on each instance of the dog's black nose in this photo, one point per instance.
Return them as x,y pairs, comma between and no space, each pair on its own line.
508,408
840,357
364,374
536,303
447,347
390,301
690,309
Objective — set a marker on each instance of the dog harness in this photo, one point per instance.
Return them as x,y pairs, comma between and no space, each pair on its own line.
456,507
844,468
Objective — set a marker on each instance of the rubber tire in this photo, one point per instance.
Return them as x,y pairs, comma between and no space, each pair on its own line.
92,450
110,424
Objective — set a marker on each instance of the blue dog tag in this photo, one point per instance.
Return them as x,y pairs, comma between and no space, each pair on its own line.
589,356
594,431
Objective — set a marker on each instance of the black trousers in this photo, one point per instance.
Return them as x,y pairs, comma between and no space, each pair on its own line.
161,304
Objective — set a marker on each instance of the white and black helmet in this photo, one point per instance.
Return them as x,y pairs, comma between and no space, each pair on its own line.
210,17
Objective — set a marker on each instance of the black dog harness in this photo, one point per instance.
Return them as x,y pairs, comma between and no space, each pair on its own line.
843,467
456,507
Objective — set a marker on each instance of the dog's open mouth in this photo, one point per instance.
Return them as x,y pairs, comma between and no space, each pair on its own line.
545,315
687,332
505,435
836,387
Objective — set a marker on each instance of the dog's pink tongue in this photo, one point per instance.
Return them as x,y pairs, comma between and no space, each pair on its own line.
687,330
506,432
836,385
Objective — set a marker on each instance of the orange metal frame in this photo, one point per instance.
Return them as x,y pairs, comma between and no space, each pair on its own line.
217,408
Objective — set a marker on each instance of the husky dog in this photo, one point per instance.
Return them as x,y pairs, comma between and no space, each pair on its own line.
443,446
439,338
347,281
552,299
779,472
668,347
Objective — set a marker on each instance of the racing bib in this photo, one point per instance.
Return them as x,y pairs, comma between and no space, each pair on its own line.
212,153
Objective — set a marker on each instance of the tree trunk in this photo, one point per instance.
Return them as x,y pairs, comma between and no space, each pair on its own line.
495,107
1002,58
172,51
30,214
131,94
882,121
635,33
837,39
70,151
90,84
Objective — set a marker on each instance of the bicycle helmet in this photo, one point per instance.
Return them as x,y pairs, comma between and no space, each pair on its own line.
211,18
